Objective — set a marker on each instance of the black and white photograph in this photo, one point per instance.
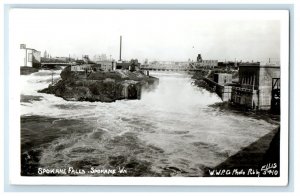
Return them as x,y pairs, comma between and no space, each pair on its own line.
168,94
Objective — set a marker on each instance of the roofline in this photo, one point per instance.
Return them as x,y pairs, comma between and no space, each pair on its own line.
32,49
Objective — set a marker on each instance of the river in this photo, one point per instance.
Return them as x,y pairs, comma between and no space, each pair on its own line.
171,131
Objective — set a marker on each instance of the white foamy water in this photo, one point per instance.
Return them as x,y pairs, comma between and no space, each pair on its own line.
170,127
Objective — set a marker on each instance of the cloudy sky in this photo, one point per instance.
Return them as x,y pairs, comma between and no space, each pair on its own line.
152,34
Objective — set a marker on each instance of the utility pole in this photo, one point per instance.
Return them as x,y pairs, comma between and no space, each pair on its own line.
120,48
52,76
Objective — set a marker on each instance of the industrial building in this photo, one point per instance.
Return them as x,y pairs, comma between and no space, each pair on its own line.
228,65
81,67
31,57
200,63
222,78
132,65
257,84
104,65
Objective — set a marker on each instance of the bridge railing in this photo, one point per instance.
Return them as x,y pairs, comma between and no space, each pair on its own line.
170,69
45,63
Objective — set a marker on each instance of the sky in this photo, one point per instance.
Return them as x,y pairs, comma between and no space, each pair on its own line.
166,35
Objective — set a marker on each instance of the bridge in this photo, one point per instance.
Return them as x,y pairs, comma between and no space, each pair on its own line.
53,63
170,69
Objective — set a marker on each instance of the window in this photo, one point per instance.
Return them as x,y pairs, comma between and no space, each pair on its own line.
29,57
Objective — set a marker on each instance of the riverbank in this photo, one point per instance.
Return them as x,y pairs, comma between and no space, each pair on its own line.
259,159
101,86
259,154
199,77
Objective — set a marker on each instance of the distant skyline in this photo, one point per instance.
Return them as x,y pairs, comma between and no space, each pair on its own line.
166,35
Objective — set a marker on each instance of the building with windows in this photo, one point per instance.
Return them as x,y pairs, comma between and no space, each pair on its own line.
104,65
255,85
31,57
200,63
132,65
222,78
81,67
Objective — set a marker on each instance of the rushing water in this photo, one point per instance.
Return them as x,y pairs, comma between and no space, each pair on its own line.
171,131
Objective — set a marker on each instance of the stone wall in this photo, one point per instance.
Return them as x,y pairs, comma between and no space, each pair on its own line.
265,86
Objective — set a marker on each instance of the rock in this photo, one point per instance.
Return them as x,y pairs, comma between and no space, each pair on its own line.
100,86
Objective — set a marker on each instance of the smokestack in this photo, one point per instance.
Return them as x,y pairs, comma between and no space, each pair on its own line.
120,48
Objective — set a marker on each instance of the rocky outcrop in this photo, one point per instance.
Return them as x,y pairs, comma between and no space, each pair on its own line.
199,81
100,86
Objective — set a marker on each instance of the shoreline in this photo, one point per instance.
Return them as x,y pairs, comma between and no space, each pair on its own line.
260,156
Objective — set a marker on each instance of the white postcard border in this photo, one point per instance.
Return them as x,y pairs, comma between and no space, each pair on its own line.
14,133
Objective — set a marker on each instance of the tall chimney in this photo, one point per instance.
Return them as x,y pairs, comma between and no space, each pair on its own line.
120,48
